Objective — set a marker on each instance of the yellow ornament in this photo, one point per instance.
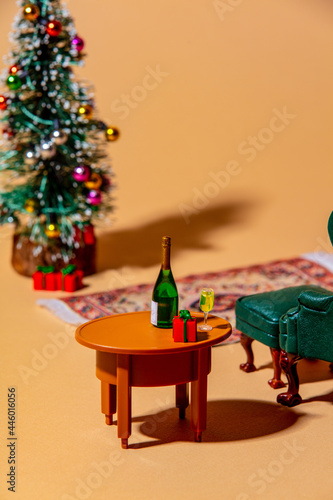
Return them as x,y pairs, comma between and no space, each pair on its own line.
30,205
94,182
112,134
86,111
31,12
52,230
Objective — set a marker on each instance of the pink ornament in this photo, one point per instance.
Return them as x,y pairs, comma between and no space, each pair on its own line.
94,197
78,43
81,173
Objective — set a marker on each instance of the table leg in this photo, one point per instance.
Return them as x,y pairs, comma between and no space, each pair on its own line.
182,399
199,394
124,392
109,401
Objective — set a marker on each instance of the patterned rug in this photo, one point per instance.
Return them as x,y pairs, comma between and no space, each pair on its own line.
228,286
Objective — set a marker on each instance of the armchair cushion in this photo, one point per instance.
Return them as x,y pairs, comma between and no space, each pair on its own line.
307,330
258,315
316,300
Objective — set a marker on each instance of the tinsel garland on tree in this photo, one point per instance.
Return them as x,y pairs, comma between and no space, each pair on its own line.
54,172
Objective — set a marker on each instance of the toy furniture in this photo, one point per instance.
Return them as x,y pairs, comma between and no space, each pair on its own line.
130,352
295,322
257,317
305,332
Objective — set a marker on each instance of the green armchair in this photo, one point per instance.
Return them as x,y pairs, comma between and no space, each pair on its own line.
305,332
295,322
258,317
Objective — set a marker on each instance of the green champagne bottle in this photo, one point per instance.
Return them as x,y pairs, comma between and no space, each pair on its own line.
164,304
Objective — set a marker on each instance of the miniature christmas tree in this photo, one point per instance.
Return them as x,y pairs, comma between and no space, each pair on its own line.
55,179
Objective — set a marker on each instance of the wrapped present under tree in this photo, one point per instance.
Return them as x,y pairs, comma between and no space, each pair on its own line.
68,279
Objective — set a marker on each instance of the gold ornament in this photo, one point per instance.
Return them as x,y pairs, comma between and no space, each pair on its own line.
52,230
94,182
31,12
86,111
30,157
112,134
47,149
59,137
30,205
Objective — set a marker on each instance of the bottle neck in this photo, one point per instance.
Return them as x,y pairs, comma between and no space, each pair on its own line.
166,257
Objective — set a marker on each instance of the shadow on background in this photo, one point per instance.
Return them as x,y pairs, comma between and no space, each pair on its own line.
141,246
313,371
227,420
327,398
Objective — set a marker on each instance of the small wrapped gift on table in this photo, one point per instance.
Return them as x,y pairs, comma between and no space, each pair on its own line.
184,327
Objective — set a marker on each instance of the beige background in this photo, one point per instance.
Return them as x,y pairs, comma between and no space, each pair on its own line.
225,71
222,73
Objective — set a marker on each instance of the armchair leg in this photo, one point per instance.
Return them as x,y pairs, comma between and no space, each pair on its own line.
288,363
246,343
276,381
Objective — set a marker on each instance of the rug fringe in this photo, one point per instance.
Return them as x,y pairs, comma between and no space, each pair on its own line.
62,311
323,258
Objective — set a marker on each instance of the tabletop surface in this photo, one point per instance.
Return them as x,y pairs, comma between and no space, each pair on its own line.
132,333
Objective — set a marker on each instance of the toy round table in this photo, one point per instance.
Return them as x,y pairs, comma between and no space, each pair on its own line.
131,352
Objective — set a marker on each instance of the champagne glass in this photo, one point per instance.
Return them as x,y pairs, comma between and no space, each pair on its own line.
206,305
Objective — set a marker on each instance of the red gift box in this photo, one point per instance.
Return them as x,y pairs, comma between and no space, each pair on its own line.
45,279
69,282
38,278
184,327
89,235
69,279
86,235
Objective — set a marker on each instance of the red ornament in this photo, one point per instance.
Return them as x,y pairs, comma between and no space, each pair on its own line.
3,103
54,28
13,69
7,133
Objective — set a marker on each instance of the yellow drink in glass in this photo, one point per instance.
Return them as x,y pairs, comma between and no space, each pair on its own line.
206,305
206,301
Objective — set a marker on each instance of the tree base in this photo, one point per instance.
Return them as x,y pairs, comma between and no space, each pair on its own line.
27,255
